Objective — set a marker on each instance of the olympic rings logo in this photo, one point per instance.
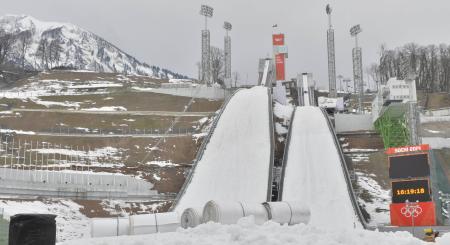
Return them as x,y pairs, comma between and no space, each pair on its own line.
409,211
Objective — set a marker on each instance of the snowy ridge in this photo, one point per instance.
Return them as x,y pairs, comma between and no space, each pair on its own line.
314,173
229,170
52,44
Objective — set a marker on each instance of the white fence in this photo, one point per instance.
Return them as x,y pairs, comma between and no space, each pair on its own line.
353,122
203,92
43,169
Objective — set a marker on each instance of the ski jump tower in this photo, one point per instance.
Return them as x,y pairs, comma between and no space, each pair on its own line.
331,56
206,11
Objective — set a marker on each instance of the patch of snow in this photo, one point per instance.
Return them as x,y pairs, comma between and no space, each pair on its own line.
283,111
8,131
280,129
54,103
106,108
427,119
378,207
436,142
142,89
71,224
162,164
432,131
246,232
156,177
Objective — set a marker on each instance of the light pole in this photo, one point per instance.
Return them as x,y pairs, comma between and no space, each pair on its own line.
227,49
331,56
357,66
206,11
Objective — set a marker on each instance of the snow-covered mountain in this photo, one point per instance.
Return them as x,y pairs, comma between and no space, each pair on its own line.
41,45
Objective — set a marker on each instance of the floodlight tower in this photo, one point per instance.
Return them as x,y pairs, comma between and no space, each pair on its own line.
357,66
206,11
227,49
331,56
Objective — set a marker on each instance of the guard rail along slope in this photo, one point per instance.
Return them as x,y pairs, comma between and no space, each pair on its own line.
314,171
234,163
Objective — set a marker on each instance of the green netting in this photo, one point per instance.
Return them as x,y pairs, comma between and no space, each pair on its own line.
393,129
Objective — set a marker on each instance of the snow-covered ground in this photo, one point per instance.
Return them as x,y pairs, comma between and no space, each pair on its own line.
71,223
235,165
436,142
314,173
247,233
378,205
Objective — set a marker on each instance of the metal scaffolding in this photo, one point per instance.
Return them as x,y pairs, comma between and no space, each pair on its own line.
331,56
207,12
357,67
227,54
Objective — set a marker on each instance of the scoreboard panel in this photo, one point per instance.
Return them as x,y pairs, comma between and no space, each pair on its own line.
409,166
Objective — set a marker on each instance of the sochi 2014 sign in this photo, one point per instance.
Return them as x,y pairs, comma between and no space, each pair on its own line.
407,149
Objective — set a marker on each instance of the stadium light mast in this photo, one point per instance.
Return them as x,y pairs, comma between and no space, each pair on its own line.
331,56
357,67
206,11
227,49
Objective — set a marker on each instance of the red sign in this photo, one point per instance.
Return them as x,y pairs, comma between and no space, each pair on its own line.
279,63
416,213
406,149
278,39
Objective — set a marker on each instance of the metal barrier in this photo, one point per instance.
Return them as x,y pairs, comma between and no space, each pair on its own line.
285,155
272,145
118,131
201,152
350,190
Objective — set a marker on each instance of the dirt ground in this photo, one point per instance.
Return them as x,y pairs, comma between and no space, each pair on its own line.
62,122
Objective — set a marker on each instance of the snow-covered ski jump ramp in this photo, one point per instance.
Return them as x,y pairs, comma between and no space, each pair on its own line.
314,172
236,163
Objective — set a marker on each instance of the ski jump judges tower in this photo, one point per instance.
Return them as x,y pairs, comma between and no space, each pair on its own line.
206,11
357,67
331,56
227,49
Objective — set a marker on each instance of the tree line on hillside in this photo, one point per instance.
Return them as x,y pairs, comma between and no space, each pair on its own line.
428,65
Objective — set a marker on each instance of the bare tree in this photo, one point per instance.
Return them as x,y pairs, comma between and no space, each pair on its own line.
54,52
25,42
42,53
6,43
217,65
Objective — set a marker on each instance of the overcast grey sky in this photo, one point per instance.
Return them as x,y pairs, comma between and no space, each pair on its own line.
167,32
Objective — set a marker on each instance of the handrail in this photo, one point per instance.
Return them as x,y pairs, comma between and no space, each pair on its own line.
286,154
350,190
272,145
201,151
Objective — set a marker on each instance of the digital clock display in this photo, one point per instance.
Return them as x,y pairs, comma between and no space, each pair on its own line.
411,190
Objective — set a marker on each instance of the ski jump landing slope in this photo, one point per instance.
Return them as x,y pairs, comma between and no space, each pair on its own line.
236,163
313,173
